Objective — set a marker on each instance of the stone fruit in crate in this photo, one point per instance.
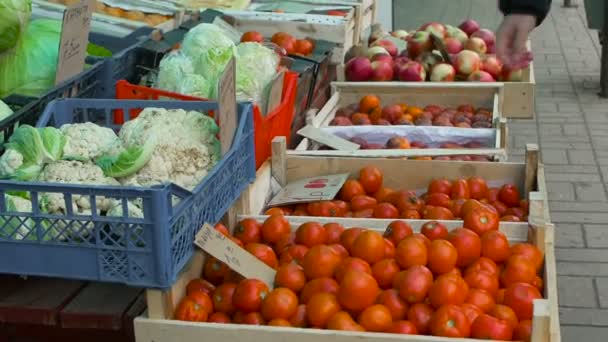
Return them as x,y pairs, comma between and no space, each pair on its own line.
360,119
437,29
401,34
398,143
382,71
383,58
418,144
412,72
467,62
341,121
389,46
492,65
476,44
480,76
345,112
469,26
455,32
376,50
392,113
488,36
418,43
453,45
511,75
443,72
358,69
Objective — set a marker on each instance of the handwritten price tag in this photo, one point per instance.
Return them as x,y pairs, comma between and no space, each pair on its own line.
237,258
322,188
74,40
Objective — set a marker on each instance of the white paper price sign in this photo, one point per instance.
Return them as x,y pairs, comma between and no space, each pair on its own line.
74,40
238,259
322,188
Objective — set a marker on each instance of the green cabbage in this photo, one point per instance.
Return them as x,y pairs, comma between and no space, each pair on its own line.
128,161
30,68
252,81
14,16
210,49
5,110
176,74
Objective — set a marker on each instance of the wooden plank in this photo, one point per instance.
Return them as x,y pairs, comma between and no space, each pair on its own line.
532,160
99,306
137,308
38,300
279,162
397,153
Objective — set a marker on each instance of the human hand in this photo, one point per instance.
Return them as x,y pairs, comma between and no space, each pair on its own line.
511,40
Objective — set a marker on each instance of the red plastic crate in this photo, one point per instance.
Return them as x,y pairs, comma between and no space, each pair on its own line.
276,123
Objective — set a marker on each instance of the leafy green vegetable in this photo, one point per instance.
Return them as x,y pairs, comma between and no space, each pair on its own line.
14,16
251,82
176,74
30,68
53,141
5,111
98,51
127,162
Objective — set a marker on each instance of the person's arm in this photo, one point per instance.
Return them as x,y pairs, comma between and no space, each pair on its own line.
537,8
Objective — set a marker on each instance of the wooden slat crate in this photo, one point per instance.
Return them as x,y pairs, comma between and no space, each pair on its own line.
422,94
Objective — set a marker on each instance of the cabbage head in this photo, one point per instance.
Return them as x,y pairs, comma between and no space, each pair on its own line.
210,49
14,16
29,69
5,110
256,66
176,74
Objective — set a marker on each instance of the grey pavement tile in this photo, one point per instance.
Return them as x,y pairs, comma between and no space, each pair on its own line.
576,292
583,333
581,157
554,156
582,254
577,207
596,236
590,191
580,217
580,316
571,177
569,235
559,191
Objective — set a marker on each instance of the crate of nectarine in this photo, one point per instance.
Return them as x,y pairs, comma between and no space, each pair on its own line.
337,279
418,121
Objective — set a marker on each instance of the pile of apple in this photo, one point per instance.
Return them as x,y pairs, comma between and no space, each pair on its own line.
470,48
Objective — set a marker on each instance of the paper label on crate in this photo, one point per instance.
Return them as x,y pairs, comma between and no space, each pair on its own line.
321,188
327,139
227,106
74,39
237,258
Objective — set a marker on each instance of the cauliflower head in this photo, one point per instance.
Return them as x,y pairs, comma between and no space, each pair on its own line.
87,141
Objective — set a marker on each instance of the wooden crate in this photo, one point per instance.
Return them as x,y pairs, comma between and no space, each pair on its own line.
422,94
157,324
518,100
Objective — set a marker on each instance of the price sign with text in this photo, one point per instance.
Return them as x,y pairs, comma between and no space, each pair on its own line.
322,188
74,40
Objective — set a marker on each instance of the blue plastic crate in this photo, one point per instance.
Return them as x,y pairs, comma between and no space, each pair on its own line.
148,251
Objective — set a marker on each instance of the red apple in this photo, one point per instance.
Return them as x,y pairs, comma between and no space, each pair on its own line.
375,35
418,144
467,62
477,45
376,50
453,45
382,71
443,72
383,58
401,34
508,75
403,121
392,113
345,112
488,36
434,28
492,65
492,49
469,26
455,32
398,143
418,43
341,121
412,72
433,109
389,46
429,60
358,69
480,76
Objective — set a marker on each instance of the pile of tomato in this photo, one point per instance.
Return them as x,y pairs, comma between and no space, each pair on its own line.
458,283
366,197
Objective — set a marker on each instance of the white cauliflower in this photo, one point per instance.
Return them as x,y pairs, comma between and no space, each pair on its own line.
10,161
133,210
87,141
13,228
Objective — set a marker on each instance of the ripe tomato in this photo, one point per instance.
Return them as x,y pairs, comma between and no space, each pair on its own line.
397,231
298,319
362,202
333,232
481,220
483,280
538,283
303,47
189,310
471,311
520,297
450,321
342,252
318,285
357,291
414,284
411,251
504,313
253,318
493,194
405,200
311,234
500,296
219,317
467,244
529,251
222,229
370,178
518,269
248,295
274,228
350,189
264,253
320,308
385,271
252,36
324,209
403,327
351,264
394,303
248,231
275,211
366,213
293,254
383,194
347,238
443,186
523,331
478,188
284,242
389,249
320,261
410,215
280,303
222,298
491,328
342,207
448,289
495,246
215,271
290,276
385,211
422,238
376,318
202,299
437,213
517,212
279,322
420,315
456,207
369,246
198,284
500,208
442,256
343,321
434,230
438,200
481,298
509,195
460,190
484,264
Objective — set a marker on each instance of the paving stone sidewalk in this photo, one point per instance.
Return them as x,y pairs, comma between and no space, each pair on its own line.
571,128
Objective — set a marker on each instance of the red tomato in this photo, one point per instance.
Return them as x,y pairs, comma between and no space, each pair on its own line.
397,231
509,195
450,321
248,295
460,190
491,328
478,188
248,231
434,230
481,221
520,298
438,200
443,186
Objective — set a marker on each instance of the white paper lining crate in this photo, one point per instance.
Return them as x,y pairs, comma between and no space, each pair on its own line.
157,324
420,94
344,31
